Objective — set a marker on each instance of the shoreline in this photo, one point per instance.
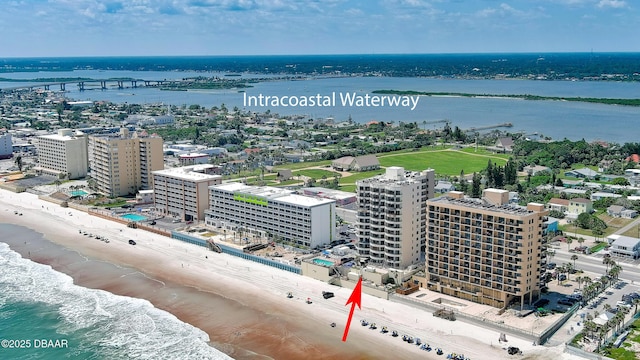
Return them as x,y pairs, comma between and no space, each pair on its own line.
240,304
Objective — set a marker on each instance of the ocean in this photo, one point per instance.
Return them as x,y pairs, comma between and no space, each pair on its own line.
43,315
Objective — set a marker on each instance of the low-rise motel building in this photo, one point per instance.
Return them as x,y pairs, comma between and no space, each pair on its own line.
271,212
485,250
183,192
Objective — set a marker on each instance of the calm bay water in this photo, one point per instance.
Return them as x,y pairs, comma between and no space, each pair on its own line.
39,304
557,119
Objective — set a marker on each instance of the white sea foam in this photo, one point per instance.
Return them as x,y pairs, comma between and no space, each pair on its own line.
119,326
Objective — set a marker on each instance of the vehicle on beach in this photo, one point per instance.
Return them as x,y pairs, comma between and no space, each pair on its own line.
132,242
327,294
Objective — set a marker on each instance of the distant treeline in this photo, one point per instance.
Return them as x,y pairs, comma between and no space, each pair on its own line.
628,102
62,79
554,66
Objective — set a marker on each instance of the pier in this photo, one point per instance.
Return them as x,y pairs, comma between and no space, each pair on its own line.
489,127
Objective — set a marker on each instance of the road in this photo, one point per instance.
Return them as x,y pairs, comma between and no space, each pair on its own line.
593,264
629,226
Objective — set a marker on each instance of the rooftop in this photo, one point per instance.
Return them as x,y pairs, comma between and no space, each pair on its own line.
272,193
192,173
481,205
626,241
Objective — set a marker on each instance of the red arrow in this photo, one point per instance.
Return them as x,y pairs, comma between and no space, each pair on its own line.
354,299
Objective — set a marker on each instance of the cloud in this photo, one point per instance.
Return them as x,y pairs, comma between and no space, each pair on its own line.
616,4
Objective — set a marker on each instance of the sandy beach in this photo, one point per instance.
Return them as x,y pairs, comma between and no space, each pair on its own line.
241,305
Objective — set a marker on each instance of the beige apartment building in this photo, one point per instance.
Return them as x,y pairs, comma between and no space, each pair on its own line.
485,250
183,192
121,164
63,154
391,225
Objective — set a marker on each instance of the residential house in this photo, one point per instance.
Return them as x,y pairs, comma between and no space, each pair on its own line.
535,169
601,195
621,212
578,206
557,204
443,187
584,173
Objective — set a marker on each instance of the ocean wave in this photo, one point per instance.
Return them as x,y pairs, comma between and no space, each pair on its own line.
119,326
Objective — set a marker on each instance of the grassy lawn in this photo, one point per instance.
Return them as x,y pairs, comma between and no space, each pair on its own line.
351,179
315,173
621,353
349,188
485,152
633,232
594,249
303,165
613,225
448,162
290,182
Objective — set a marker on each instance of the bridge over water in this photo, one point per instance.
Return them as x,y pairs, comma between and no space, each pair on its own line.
91,84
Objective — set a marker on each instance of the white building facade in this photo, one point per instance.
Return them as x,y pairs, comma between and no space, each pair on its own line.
6,146
63,154
183,192
392,216
276,213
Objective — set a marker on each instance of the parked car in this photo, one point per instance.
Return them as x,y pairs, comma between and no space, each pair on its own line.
551,266
327,294
566,302
540,303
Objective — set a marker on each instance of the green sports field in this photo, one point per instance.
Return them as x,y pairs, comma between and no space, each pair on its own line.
444,162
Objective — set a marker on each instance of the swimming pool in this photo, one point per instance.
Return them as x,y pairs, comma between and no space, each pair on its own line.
323,262
78,193
134,217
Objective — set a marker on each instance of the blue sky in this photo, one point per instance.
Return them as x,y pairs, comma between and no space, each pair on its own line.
256,27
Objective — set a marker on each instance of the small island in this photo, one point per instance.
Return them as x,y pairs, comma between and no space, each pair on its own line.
607,101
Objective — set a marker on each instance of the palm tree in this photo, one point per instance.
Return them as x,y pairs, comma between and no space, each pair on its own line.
580,240
574,257
579,281
604,281
636,301
615,271
569,241
568,268
607,261
18,162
